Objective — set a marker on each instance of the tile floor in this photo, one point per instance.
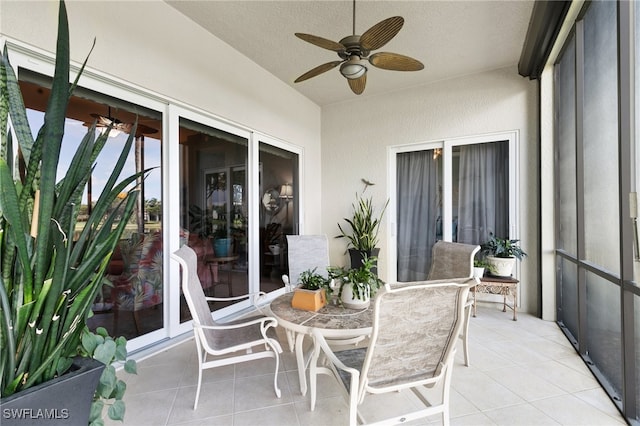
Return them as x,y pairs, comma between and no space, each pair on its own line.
521,373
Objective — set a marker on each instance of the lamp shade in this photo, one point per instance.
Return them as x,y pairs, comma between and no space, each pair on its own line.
286,191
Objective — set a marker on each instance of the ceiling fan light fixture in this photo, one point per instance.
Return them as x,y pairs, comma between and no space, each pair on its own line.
353,68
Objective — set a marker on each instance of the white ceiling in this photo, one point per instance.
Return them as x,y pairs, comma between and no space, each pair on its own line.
452,38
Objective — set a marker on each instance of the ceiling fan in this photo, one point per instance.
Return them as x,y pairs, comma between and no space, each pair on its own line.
354,51
117,126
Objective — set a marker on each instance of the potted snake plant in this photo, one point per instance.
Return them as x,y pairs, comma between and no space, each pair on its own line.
53,263
362,233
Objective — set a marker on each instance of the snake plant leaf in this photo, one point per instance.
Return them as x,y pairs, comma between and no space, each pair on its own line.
53,130
17,111
13,216
6,150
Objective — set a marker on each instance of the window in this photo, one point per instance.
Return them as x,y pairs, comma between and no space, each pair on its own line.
130,304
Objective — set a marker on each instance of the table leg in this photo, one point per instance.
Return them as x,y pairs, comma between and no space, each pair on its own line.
313,373
302,373
229,278
515,302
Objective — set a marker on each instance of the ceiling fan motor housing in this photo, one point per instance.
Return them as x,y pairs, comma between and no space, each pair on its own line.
354,67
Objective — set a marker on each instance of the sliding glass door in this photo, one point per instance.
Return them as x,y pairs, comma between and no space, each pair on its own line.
458,190
214,207
278,206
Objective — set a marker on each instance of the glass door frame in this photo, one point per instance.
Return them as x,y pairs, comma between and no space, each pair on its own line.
447,145
172,210
43,63
254,213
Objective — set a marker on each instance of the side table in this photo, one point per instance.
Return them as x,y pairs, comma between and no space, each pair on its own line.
504,286
211,260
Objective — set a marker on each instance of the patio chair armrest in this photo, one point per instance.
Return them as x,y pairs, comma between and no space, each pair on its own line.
257,295
265,321
324,347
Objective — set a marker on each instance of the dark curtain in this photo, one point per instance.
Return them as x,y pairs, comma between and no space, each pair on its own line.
483,199
418,209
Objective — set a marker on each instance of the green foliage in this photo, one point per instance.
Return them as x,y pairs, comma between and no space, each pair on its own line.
52,264
502,247
363,235
482,263
311,280
110,390
362,281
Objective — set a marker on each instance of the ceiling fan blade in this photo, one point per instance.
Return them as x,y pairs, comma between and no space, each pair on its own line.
321,42
145,130
395,62
380,34
357,85
317,71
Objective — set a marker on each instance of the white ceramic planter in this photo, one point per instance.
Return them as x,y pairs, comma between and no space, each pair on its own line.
478,272
348,301
502,266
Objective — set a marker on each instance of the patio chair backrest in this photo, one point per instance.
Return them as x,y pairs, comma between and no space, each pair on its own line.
415,330
452,260
193,292
306,252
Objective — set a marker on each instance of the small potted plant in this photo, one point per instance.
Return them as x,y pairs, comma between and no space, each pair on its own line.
357,285
480,266
311,294
501,254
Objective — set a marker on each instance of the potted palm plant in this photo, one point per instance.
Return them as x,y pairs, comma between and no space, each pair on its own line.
364,224
52,263
501,254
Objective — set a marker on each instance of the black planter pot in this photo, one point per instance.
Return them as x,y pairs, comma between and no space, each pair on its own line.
357,257
65,400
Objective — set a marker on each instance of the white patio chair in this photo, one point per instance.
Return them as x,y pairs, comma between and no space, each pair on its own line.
306,252
451,261
229,343
412,346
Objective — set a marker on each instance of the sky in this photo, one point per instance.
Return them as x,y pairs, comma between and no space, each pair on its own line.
73,134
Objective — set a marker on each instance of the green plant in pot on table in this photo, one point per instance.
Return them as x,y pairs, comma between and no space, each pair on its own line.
356,286
312,291
501,254
52,264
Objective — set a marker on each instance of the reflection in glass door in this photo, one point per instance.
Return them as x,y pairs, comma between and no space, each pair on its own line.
214,208
132,298
278,212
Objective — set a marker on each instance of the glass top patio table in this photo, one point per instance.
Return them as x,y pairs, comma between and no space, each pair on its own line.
333,321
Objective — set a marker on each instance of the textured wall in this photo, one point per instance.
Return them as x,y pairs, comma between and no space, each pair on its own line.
356,136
